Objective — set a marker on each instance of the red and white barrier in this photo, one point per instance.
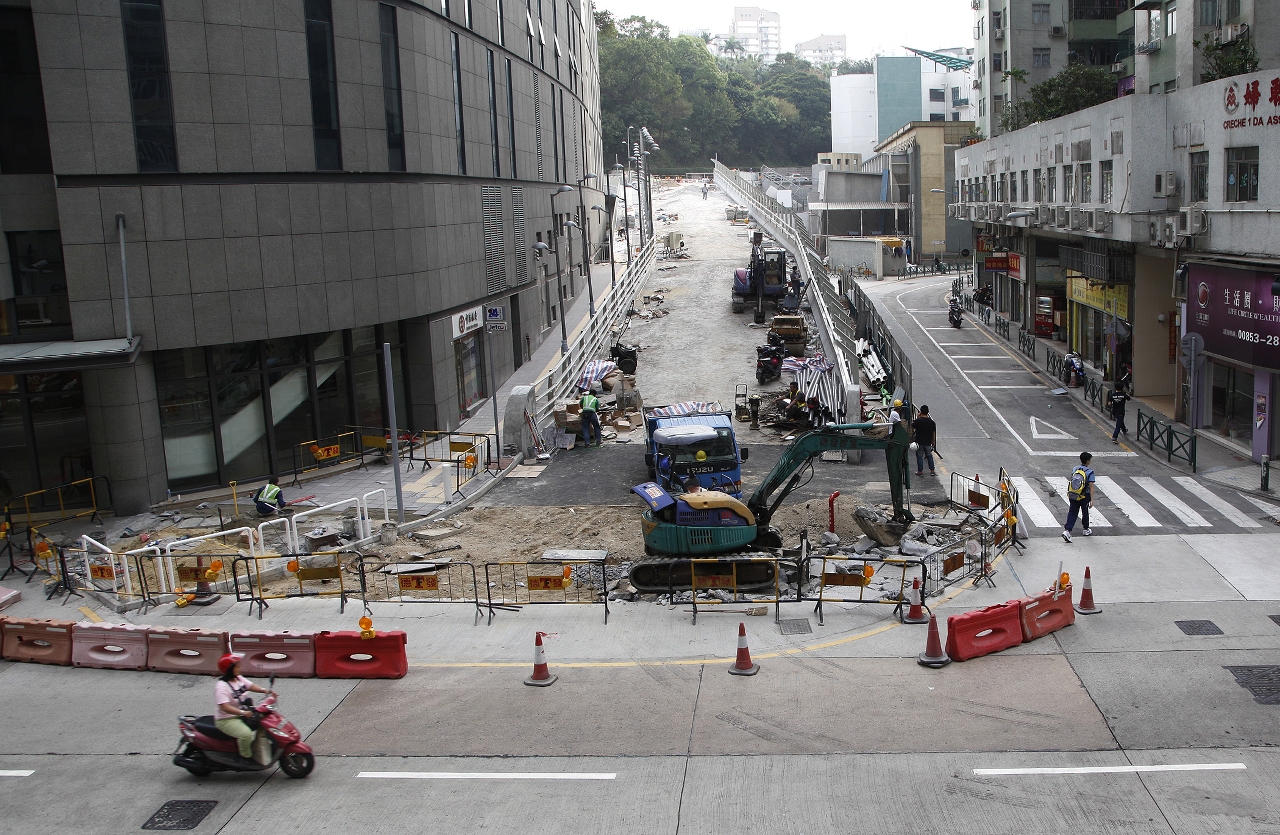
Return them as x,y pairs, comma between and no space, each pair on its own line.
193,651
37,641
349,655
287,654
109,646
1046,612
984,631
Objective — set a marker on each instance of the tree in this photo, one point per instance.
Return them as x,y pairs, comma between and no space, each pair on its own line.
1075,88
1011,118
605,25
642,27
860,66
733,46
1225,60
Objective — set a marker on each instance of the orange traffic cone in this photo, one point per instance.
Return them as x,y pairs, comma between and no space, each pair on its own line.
933,656
915,614
541,675
743,666
1086,606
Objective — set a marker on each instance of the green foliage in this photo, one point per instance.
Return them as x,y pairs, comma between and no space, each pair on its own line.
1075,88
861,66
1225,60
697,106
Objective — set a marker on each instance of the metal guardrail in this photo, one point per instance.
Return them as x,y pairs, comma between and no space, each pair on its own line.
1175,442
1002,326
1096,394
1055,365
1027,344
984,313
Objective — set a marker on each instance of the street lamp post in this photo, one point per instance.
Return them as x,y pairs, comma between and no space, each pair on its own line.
626,212
613,271
585,232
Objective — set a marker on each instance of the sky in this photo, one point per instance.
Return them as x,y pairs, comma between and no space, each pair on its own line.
870,26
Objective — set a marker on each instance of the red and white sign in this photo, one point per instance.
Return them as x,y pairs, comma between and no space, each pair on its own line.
467,321
1015,265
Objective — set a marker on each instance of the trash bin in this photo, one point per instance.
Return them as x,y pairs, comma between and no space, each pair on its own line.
389,533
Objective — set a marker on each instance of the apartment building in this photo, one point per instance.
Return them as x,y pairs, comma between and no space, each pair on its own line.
757,31
824,49
286,186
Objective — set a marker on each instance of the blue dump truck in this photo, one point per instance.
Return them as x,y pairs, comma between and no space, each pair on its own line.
701,444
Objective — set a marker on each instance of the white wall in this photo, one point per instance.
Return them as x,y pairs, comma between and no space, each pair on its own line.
853,114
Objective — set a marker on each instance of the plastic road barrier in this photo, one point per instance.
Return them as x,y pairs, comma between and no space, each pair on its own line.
984,631
38,641
1046,612
349,655
109,646
287,654
185,650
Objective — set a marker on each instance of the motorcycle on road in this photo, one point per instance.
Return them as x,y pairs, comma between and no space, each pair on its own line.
204,749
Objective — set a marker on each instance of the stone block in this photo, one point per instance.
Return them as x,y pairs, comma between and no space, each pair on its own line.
239,210
108,92
226,46
202,211
299,148
167,264
337,257
268,147
277,260
114,151
92,319
313,309
273,208
244,263
230,99
282,312
66,94
175,321
213,324
304,208
58,36
80,216
249,315
101,42
162,211
291,54
208,265
186,47
340,302
264,100
308,259
195,147
234,148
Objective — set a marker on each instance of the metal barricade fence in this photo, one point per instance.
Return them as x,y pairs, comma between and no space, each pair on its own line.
25,515
834,573
260,585
1176,443
416,582
971,496
705,581
1055,365
437,446
331,451
510,585
1096,394
1027,344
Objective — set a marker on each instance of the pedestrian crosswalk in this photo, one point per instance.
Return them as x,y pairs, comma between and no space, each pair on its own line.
1143,504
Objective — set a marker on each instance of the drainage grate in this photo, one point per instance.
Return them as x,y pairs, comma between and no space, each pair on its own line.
179,815
1198,627
795,626
1275,619
1262,681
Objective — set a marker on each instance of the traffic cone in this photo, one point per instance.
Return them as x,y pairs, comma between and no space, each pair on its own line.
541,675
915,614
743,666
1086,606
933,656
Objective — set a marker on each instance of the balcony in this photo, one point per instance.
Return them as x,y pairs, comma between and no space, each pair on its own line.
1149,47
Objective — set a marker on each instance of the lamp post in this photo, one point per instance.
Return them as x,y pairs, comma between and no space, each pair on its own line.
540,249
626,212
585,232
613,270
564,333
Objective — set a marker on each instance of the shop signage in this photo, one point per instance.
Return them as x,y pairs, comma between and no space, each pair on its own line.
1015,265
1236,314
496,313
467,321
1099,296
1236,97
997,262
985,243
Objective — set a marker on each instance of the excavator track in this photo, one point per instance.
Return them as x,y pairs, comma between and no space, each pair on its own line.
661,575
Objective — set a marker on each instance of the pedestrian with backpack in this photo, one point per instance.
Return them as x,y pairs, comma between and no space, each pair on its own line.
1117,399
1079,496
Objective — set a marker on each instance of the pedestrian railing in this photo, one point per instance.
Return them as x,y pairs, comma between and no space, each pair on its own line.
984,313
1055,365
968,302
1002,326
1176,443
1027,344
1096,394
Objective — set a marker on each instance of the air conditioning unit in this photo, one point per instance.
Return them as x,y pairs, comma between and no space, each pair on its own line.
980,211
1060,217
1099,220
1166,183
1117,68
997,211
977,84
1057,31
1233,32
976,5
1155,235
998,34
1191,221
1044,215
1170,231
1075,217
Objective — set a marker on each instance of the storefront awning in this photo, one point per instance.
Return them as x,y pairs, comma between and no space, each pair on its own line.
70,355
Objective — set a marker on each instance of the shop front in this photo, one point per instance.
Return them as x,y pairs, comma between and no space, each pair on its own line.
468,352
1237,313
1100,331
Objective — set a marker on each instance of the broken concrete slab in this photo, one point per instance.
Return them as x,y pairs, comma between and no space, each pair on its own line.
878,526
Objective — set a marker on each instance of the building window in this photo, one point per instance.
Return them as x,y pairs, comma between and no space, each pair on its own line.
955,115
1171,85
1108,181
466,13
511,118
1170,20
1068,185
459,130
1039,179
1208,12
324,85
997,63
937,117
1053,185
1155,25
1026,195
148,65
1233,9
45,441
1040,57
938,95
1040,14
493,116
469,361
391,87
1199,176
1086,182
502,23
1242,175
997,20
24,133
38,306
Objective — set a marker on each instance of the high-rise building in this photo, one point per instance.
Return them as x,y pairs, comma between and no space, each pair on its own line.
287,186
1168,58
757,32
824,49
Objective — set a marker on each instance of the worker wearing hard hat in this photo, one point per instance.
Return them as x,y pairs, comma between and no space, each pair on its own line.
894,413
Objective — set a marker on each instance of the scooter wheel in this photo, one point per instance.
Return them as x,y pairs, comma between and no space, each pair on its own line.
297,765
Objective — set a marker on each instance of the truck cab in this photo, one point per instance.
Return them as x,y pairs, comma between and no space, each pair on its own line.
701,444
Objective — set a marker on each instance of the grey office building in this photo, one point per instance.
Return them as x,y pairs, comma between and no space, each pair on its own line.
287,185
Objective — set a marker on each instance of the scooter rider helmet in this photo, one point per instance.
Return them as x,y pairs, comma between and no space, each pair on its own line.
228,661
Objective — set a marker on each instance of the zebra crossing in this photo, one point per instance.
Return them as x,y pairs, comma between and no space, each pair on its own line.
1143,504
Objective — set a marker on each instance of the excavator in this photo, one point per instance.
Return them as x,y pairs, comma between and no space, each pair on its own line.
714,526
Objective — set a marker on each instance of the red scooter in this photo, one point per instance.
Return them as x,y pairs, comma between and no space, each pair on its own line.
204,749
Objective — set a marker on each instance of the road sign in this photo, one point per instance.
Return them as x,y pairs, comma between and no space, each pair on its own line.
1192,357
497,327
497,313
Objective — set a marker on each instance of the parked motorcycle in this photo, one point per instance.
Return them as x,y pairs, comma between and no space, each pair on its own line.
204,749
1075,368
955,314
768,363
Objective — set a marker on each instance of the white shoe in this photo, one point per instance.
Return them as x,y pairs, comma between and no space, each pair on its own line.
1088,531
1066,535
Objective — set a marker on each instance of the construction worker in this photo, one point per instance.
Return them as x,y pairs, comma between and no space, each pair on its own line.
590,404
270,498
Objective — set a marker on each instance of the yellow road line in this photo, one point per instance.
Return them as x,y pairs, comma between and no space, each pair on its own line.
90,614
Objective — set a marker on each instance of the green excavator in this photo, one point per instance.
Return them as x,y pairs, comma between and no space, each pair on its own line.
711,526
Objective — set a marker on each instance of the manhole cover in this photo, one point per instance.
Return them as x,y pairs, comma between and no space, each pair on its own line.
179,815
795,626
1198,627
1275,619
1262,681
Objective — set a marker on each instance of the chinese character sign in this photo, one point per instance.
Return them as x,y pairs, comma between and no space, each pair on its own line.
1236,314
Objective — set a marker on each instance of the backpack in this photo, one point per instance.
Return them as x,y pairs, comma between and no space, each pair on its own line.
1079,484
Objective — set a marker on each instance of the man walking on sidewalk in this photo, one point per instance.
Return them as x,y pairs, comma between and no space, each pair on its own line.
1079,496
925,433
1117,399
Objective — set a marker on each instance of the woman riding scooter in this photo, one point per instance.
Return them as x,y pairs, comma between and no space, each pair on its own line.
232,710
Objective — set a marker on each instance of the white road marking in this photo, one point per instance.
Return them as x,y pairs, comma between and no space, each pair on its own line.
1266,507
489,775
1216,502
17,772
1175,505
1032,506
993,371
967,344
1059,486
977,357
1111,769
1056,435
1010,387
1128,506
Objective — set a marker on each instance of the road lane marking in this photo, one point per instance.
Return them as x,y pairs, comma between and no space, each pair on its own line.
1032,506
1216,502
1128,506
17,772
1056,435
967,344
488,775
1059,486
976,357
90,614
1111,769
1266,507
1175,505
1007,387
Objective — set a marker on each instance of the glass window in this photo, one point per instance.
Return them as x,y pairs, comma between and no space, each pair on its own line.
186,420
285,352
997,63
327,346
148,65
493,116
466,13
937,95
1233,9
38,304
1053,185
1040,14
1040,57
368,389
1199,176
1086,182
1231,414
334,398
24,135
1068,185
511,119
937,117
324,85
243,428
470,367
1026,195
391,103
1171,85
1170,20
1105,168
1242,174
290,415
1208,12
61,430
364,339
502,23
234,359
1155,25
459,130
180,364
1039,178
